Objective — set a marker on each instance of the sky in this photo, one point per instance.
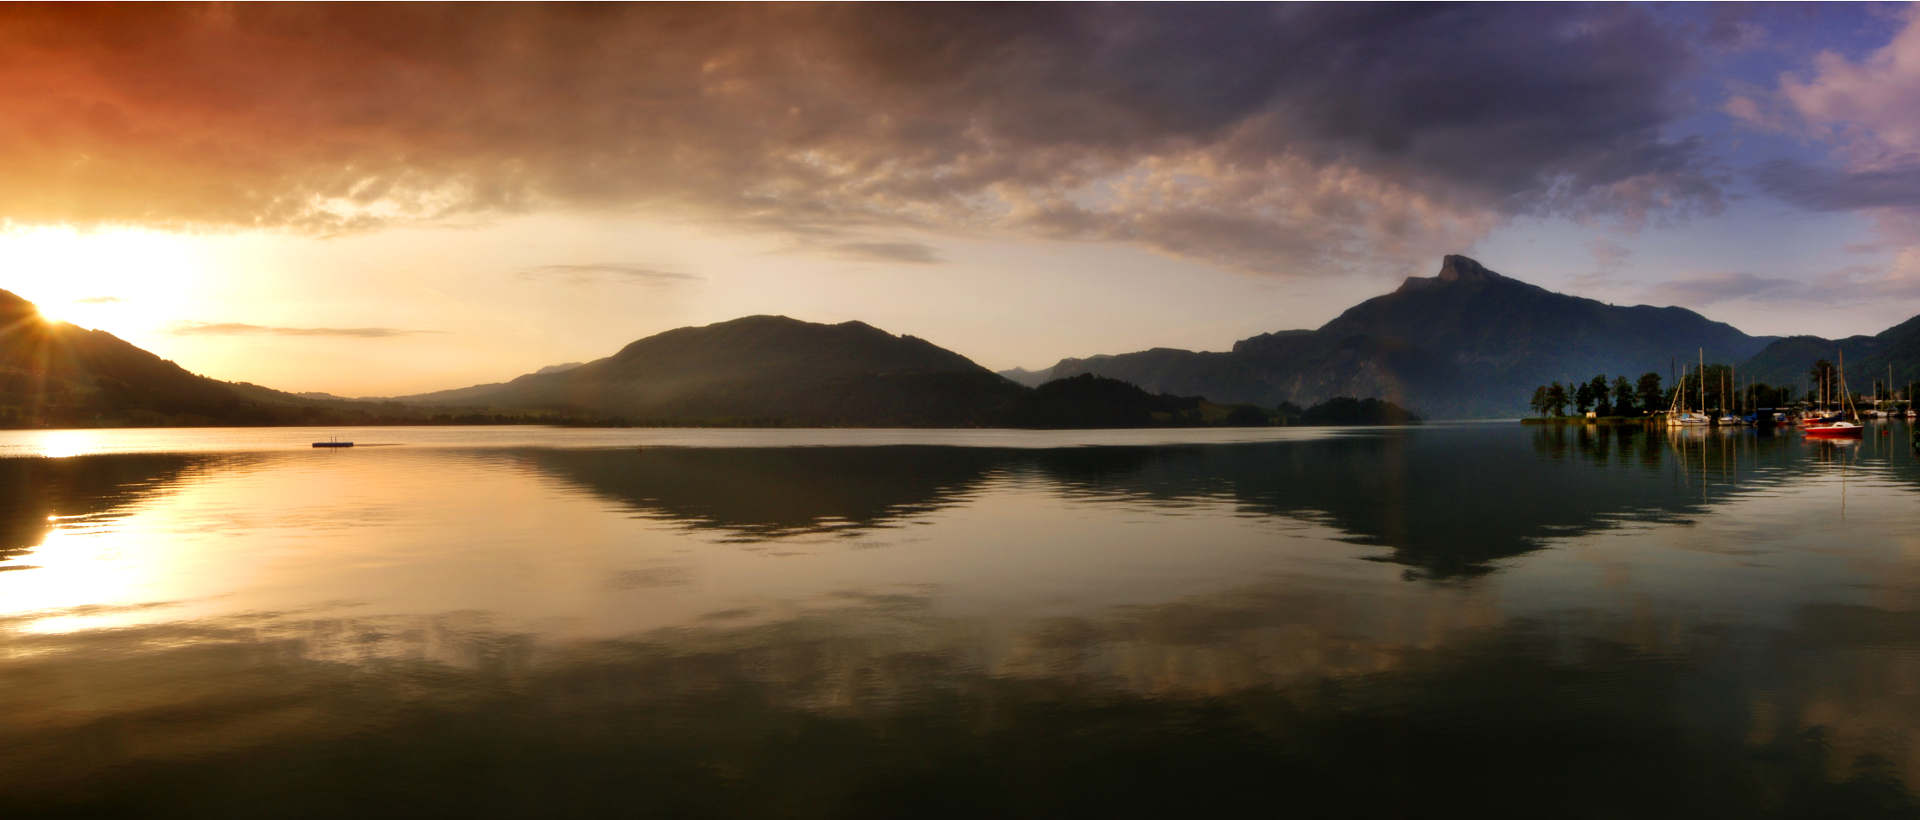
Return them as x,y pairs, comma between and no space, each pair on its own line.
382,200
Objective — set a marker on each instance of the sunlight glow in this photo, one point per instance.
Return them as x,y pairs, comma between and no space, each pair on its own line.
121,280
65,443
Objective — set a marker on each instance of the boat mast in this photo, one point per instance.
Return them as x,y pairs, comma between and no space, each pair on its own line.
1703,380
1846,397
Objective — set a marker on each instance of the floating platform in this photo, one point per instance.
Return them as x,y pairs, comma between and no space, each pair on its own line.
333,444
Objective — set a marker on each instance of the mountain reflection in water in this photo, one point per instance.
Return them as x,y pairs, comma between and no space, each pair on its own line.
1537,622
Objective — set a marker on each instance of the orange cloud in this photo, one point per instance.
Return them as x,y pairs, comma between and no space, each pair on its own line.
1268,138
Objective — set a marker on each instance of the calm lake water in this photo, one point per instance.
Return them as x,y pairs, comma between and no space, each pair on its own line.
521,621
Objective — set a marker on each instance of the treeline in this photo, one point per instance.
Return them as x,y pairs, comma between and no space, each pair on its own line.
1342,410
1087,400
1619,397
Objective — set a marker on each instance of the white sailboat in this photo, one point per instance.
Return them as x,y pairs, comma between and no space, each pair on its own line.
1677,414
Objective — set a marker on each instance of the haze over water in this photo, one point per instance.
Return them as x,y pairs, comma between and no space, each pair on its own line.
521,621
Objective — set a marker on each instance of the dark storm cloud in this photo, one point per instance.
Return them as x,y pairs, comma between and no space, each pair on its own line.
608,271
1833,189
1267,137
238,329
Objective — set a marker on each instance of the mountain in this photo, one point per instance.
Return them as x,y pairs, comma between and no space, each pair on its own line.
1023,376
762,370
56,374
53,374
1467,342
1788,361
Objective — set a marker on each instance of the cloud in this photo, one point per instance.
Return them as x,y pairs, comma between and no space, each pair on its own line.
1847,285
99,300
1865,106
1608,254
1273,138
1833,189
909,252
608,271
238,329
1710,289
1862,110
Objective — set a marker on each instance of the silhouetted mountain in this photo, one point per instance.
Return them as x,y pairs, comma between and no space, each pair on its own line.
1091,401
53,374
56,374
1789,361
763,370
1023,376
1466,342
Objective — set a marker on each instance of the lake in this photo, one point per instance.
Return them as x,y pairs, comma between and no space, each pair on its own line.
523,621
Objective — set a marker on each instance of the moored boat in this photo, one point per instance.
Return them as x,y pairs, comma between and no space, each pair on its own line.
1845,424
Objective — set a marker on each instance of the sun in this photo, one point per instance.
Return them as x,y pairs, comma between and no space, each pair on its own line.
87,312
120,280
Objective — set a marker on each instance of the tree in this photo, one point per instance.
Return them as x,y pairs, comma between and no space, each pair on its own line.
1582,397
1598,387
1622,396
1719,379
1539,402
1650,392
1822,374
1766,395
1557,399
1246,415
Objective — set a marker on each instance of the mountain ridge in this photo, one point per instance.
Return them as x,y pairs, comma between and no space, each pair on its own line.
762,368
1465,342
55,374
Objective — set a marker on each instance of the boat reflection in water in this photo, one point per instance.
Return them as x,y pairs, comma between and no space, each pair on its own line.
1549,622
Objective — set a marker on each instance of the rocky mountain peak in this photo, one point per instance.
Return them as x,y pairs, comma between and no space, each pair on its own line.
1457,268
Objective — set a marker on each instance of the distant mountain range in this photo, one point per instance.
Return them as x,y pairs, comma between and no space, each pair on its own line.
1467,342
776,371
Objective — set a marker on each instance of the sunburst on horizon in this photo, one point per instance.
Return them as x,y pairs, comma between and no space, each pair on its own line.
121,280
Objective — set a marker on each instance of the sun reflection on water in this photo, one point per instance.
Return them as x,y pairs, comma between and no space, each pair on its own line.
65,443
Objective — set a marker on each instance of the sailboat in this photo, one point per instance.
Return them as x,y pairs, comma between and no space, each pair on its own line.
1839,426
1727,418
1677,415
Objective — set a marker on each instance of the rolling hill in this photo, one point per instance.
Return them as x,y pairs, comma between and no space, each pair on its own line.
762,370
1787,362
54,374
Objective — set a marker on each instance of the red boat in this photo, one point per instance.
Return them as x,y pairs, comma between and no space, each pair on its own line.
1838,426
1833,429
